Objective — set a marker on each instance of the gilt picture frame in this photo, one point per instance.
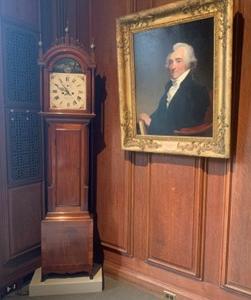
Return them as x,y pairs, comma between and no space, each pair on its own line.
174,73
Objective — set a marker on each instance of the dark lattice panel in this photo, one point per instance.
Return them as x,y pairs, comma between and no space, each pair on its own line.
21,68
24,143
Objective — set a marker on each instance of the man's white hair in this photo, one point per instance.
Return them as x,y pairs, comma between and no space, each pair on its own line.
189,56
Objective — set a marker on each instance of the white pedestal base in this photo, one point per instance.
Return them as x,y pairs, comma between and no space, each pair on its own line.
65,285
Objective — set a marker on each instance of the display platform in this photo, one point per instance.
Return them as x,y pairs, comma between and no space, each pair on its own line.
65,285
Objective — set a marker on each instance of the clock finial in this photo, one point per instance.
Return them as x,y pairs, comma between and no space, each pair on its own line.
92,47
67,38
40,49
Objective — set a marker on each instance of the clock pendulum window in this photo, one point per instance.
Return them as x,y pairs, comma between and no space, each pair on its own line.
67,76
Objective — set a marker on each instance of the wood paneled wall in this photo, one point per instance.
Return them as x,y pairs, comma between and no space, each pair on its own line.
168,222
20,203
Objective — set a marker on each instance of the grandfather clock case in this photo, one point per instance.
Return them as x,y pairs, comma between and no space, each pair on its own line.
67,79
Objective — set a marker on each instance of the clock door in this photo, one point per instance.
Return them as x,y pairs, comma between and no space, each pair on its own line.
68,165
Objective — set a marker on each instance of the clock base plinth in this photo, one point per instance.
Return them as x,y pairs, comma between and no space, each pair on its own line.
67,244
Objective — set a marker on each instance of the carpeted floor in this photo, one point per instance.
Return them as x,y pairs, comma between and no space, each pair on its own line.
113,290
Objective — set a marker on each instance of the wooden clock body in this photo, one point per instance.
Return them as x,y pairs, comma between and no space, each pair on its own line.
68,107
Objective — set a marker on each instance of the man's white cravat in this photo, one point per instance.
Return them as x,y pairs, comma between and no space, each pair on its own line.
171,92
175,86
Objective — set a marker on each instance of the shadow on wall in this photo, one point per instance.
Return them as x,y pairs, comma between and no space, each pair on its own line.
97,144
238,29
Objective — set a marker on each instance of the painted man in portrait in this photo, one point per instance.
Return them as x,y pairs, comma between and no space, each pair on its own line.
185,101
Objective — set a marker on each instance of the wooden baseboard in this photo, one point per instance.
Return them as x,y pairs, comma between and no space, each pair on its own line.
149,283
143,275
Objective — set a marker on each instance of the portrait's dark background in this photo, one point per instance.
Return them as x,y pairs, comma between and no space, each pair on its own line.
150,51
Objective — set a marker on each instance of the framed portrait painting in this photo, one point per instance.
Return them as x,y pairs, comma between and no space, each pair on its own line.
174,71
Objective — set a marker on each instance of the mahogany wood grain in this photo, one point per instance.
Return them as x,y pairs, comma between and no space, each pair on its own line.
142,5
156,3
113,203
237,250
67,243
25,218
67,231
158,280
175,222
69,165
214,208
141,209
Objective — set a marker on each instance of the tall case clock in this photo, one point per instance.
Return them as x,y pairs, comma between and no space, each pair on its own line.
68,107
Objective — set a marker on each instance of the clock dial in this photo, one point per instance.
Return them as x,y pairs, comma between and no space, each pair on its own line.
68,91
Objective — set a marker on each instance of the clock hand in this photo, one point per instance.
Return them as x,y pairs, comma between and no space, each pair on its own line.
67,92
65,88
60,88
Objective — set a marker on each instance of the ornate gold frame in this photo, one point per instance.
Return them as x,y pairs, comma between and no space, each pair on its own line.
175,13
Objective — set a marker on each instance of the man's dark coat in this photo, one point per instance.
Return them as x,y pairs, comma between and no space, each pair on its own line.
187,108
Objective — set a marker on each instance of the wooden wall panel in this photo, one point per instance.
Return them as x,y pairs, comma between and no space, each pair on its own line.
214,214
24,223
237,254
180,219
175,209
156,3
142,4
141,208
112,199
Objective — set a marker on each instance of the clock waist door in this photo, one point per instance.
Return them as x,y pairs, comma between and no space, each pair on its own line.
68,167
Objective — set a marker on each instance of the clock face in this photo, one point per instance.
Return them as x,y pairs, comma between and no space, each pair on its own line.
68,91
